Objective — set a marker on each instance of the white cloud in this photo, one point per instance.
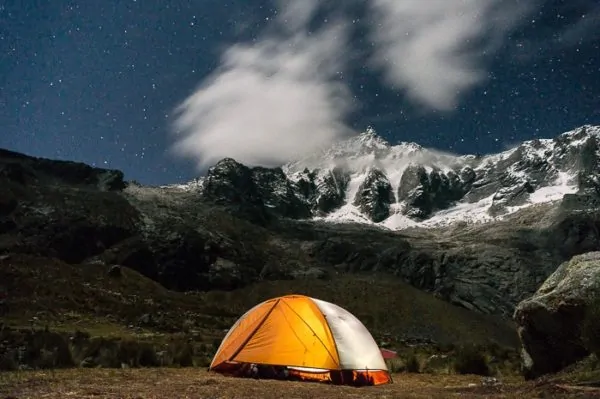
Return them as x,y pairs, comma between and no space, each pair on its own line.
271,101
277,99
433,49
581,29
586,28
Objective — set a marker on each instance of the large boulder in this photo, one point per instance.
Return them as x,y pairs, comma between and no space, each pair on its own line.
549,322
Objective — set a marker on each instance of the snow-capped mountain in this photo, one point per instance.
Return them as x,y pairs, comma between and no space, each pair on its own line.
365,179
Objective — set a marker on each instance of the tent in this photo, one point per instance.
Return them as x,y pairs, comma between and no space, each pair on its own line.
302,338
388,354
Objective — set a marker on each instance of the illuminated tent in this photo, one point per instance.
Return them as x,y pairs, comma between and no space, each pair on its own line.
302,338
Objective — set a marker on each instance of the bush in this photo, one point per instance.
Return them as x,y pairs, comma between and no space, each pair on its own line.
147,356
183,354
44,349
395,365
8,360
412,364
470,360
203,361
590,327
438,364
38,349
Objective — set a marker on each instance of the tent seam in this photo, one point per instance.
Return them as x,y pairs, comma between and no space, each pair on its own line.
318,338
337,352
259,325
223,344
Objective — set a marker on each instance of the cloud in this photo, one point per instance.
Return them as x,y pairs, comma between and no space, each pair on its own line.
270,101
434,49
582,26
585,29
278,99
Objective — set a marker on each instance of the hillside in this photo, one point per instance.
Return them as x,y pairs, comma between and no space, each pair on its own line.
192,239
193,258
87,298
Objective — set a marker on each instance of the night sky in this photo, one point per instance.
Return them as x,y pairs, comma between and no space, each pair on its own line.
98,81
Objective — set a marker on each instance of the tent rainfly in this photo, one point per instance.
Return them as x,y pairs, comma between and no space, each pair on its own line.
302,338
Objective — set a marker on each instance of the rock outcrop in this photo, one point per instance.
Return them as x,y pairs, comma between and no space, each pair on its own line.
375,196
323,190
257,193
550,322
426,192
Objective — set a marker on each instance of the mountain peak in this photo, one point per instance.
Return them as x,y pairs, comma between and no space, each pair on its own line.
365,179
581,133
370,138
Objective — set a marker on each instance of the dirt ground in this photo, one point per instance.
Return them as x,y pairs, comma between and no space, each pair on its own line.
196,383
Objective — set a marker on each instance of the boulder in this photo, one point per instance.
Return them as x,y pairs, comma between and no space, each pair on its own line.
549,322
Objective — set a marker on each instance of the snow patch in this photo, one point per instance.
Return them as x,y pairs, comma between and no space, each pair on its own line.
565,183
193,185
349,212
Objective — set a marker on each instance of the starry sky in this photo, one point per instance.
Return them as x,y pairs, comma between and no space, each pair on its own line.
100,81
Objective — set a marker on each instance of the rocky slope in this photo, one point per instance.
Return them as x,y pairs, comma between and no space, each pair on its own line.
228,232
367,180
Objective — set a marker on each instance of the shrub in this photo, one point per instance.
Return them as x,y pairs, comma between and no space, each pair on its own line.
395,365
128,353
8,360
470,360
412,364
147,356
438,364
203,361
590,327
183,355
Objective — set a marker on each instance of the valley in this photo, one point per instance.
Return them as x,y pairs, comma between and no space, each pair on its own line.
94,264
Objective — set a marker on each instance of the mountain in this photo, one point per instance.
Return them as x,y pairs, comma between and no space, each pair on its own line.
366,180
239,226
82,248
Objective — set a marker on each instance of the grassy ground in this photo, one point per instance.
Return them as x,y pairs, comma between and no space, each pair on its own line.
195,383
45,292
130,313
67,298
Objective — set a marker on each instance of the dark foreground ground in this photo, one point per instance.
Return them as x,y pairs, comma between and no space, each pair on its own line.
197,383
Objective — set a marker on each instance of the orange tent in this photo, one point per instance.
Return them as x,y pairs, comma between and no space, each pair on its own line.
298,337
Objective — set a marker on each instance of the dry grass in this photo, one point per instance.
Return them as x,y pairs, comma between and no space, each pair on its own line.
85,298
197,383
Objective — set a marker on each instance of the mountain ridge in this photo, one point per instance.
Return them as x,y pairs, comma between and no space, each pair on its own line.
366,180
247,225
